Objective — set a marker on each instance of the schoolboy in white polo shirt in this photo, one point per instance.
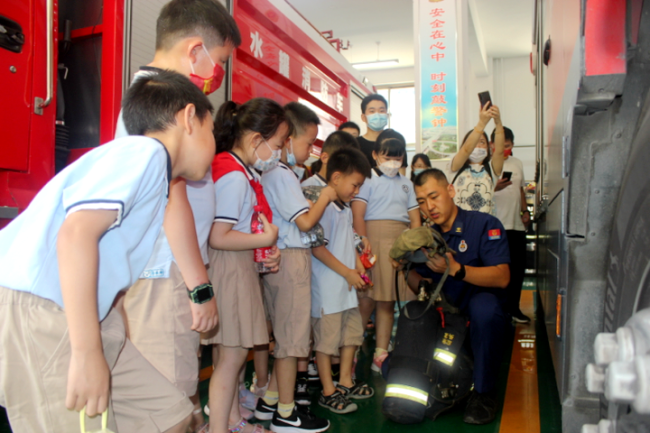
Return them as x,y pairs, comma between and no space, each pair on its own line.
335,141
192,36
85,237
336,269
288,292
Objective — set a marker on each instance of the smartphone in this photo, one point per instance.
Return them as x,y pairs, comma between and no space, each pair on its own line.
507,175
484,97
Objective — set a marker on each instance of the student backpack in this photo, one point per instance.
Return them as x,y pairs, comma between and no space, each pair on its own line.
428,371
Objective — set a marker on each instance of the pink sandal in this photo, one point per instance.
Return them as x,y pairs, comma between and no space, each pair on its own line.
239,427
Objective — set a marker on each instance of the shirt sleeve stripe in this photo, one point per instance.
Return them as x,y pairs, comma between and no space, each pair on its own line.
360,199
414,207
223,219
99,205
297,214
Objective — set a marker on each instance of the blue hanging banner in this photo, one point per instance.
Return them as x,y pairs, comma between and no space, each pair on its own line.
436,52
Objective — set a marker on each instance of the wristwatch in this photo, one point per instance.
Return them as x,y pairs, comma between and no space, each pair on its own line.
460,274
201,294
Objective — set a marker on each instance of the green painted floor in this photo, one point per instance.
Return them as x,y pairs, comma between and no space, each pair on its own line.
369,418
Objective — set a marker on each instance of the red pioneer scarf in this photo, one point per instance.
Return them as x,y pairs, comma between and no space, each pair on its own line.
226,162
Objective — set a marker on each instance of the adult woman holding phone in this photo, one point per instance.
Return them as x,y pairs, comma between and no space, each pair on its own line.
474,171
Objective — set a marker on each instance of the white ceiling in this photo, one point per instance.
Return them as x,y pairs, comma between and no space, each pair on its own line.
506,26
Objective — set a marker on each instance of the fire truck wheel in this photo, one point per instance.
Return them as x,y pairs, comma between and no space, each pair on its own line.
621,371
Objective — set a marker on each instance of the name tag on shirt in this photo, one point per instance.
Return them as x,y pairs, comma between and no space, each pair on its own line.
153,273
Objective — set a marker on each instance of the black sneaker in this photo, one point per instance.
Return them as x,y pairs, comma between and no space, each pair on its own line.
301,396
299,421
520,317
263,411
481,409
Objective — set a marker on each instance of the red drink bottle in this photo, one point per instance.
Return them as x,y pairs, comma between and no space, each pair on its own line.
260,254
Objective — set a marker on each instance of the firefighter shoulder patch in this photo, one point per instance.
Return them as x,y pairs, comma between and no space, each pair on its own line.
494,234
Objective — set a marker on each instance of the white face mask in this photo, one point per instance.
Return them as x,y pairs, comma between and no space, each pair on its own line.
390,168
266,165
478,155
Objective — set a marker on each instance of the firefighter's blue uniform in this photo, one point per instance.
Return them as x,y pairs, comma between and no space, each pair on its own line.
479,240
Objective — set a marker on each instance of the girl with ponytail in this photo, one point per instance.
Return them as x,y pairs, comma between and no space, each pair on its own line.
248,136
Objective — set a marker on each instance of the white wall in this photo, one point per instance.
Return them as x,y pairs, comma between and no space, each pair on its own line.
512,88
394,76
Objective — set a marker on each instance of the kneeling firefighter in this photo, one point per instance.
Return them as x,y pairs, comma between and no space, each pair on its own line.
478,271
428,372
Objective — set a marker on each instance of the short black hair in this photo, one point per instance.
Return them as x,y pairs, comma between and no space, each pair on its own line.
421,156
509,135
372,97
349,125
338,140
435,173
347,161
390,147
260,115
387,134
300,116
208,19
152,102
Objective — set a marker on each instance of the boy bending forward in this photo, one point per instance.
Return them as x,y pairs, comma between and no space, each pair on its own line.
86,236
336,269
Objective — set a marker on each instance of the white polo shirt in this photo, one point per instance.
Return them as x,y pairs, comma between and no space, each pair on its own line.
315,180
284,194
388,198
236,199
130,175
330,292
200,194
508,200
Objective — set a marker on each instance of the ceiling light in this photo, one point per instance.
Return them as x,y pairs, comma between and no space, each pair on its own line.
376,64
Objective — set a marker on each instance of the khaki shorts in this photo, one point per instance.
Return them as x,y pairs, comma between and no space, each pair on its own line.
332,331
160,318
34,362
288,300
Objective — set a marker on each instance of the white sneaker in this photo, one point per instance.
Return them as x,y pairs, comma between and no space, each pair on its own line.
312,372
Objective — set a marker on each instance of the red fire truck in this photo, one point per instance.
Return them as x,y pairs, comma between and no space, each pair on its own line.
592,59
65,64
